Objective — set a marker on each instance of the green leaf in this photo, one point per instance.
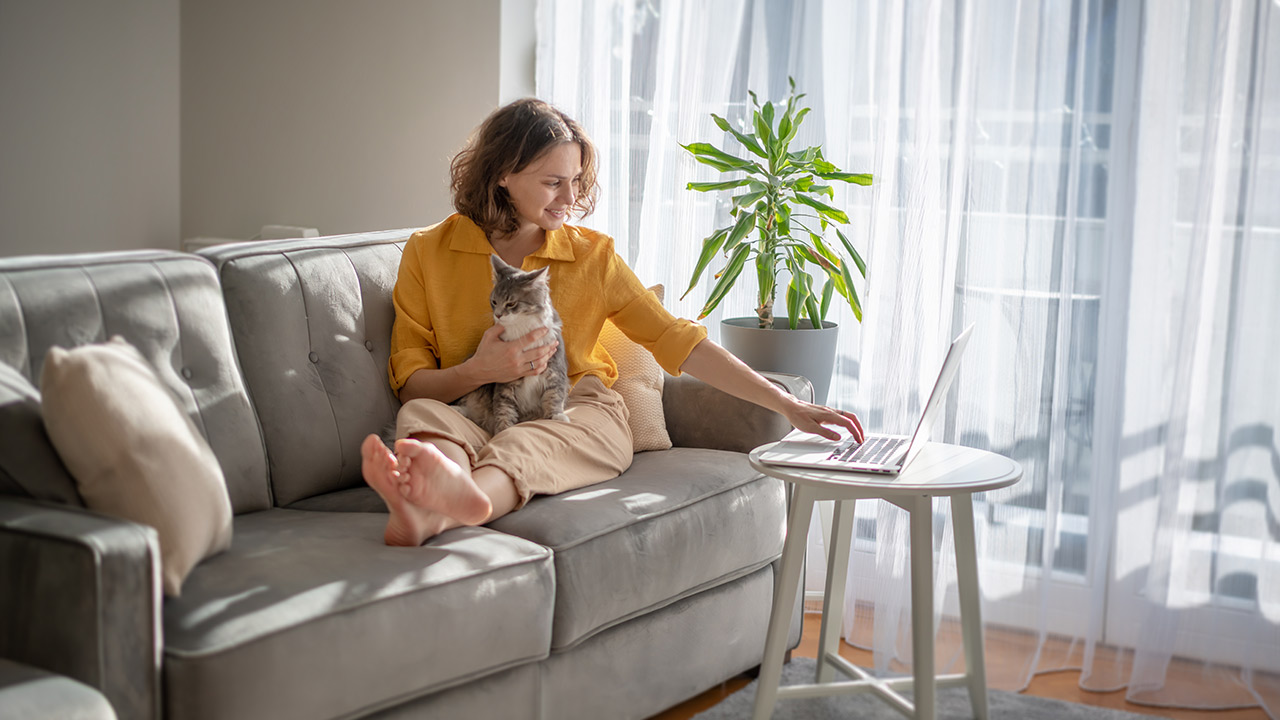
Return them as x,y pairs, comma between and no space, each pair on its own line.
795,124
722,167
747,141
803,283
793,302
827,264
811,303
728,276
852,297
740,230
823,250
857,259
707,150
709,186
747,198
766,278
754,101
856,178
836,277
763,131
710,246
783,220
766,113
827,292
822,167
824,210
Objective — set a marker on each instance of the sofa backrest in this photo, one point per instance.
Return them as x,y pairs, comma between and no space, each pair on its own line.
312,322
169,306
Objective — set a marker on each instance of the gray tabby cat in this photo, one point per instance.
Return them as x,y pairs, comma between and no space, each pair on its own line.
521,303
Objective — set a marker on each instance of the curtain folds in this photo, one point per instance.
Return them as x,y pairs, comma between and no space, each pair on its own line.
1092,183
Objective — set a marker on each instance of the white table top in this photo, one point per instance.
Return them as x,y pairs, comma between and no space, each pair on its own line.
939,469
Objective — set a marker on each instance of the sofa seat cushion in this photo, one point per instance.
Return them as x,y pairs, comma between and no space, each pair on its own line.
310,615
677,522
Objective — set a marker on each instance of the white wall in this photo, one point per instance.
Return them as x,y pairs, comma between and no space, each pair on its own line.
89,149
332,114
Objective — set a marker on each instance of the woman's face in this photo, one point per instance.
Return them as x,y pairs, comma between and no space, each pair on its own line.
545,190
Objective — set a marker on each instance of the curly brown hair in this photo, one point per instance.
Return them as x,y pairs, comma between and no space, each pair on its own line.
512,137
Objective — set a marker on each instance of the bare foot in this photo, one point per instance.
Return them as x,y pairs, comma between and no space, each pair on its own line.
409,526
431,481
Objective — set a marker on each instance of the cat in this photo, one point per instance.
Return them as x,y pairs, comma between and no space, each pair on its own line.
521,303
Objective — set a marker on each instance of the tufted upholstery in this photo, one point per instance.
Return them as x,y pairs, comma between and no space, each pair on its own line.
643,590
312,323
166,304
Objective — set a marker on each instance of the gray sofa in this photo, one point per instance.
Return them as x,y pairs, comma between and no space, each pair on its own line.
614,601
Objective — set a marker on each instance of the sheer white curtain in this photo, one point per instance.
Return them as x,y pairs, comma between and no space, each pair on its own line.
1093,184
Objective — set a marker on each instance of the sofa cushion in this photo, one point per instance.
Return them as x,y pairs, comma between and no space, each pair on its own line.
134,453
166,304
28,463
312,324
309,615
683,520
640,385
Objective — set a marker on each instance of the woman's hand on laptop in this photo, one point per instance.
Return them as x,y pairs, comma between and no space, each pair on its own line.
811,418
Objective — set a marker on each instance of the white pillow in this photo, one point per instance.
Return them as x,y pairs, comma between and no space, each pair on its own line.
134,453
639,383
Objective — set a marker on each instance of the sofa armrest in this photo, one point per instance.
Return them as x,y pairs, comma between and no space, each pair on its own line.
80,596
701,416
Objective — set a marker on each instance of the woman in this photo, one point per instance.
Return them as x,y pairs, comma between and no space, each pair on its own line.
525,170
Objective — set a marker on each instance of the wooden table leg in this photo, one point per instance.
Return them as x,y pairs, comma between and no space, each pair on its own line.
922,608
785,587
970,602
833,595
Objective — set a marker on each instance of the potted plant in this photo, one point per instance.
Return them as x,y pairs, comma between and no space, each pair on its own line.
780,219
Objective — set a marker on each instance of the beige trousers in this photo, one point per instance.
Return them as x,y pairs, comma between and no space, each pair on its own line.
544,457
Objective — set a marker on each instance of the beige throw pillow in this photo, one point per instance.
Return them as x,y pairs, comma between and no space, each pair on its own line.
640,385
134,453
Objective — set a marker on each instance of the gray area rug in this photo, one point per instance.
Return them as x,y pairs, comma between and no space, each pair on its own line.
952,703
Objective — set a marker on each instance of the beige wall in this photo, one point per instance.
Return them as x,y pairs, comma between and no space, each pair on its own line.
89,124
140,123
332,114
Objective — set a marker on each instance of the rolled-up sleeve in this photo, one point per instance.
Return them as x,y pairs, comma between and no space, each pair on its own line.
641,317
668,337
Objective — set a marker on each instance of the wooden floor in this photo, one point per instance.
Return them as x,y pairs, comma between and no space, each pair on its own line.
1057,685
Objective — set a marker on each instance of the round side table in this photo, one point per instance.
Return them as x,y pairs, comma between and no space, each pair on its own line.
939,470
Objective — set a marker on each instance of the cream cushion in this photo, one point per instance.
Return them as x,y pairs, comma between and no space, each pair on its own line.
640,385
134,453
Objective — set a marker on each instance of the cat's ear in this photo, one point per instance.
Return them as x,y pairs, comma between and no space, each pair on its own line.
500,267
536,275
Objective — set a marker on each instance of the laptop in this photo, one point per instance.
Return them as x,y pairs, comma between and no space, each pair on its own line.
885,454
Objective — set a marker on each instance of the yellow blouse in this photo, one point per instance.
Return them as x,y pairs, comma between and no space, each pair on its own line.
442,301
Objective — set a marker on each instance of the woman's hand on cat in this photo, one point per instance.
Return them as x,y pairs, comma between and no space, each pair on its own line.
497,360
811,418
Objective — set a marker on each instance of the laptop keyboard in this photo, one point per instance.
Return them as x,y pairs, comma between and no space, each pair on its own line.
875,451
